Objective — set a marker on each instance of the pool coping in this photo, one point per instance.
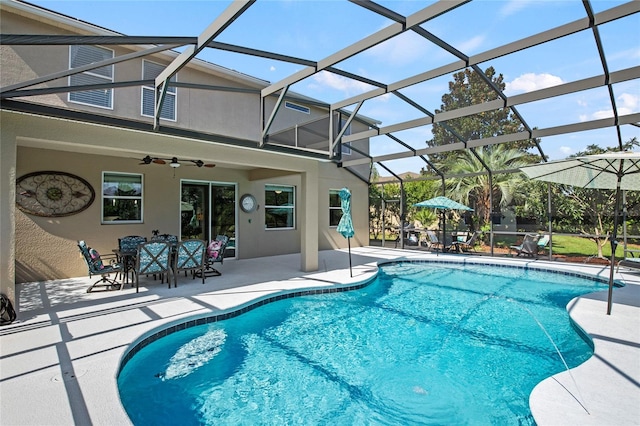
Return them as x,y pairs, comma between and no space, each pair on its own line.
66,348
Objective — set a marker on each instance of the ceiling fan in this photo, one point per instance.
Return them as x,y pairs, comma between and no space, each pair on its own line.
174,162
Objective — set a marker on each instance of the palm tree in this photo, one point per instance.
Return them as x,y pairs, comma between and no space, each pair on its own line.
475,190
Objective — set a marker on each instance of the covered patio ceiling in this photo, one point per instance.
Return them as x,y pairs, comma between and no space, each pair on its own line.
572,68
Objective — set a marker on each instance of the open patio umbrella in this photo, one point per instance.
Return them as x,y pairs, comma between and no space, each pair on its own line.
444,204
612,170
345,226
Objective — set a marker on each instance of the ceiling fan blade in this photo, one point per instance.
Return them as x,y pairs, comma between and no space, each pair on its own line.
200,163
146,160
159,161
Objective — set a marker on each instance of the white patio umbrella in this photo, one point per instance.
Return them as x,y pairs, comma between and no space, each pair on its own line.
612,170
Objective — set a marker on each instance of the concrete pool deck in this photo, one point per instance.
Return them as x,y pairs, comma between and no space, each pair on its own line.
59,360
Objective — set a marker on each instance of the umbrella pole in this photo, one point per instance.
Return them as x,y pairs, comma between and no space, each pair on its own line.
349,244
614,245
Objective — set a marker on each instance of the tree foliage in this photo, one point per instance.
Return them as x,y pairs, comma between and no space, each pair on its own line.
467,89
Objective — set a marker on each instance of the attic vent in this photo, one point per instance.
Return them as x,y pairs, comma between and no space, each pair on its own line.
297,107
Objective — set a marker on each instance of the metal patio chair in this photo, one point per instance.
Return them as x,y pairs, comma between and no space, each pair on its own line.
190,257
103,266
153,258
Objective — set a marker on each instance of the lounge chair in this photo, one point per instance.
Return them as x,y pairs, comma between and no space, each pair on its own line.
433,242
629,262
543,243
529,246
465,246
103,266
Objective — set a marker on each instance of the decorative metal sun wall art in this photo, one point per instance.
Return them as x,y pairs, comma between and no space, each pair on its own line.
53,194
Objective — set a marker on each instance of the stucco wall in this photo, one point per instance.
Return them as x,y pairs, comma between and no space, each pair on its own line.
46,247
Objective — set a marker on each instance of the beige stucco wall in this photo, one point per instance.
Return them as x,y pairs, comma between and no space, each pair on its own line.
46,247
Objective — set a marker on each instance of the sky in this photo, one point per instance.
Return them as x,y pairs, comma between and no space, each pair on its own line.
315,29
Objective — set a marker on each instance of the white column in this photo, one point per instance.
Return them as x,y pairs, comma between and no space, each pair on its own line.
308,217
8,153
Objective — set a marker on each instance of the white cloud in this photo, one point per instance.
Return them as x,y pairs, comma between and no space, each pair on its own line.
272,68
530,82
512,7
628,101
627,104
471,45
402,49
346,85
604,113
566,150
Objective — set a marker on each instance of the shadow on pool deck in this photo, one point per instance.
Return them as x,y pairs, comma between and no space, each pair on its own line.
60,359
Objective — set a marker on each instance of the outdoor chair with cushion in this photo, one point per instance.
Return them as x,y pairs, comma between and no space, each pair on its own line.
165,238
629,262
529,246
190,256
465,246
433,242
153,258
215,254
127,249
543,243
103,266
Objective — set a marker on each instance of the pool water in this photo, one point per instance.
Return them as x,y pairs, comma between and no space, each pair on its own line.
422,344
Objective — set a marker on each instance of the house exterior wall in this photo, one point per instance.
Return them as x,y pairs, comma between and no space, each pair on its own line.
41,248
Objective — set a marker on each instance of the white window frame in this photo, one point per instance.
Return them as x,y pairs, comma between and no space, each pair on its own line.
296,107
334,208
92,74
113,198
172,92
267,207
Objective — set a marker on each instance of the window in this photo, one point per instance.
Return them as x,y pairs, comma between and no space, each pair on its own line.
280,207
85,55
346,147
297,107
121,197
151,70
335,207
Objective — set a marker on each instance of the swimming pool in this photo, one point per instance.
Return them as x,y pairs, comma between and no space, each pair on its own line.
422,344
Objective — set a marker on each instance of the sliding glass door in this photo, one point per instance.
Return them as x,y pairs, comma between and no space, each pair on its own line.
208,209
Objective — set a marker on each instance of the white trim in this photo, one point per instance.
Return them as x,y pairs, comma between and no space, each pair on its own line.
102,198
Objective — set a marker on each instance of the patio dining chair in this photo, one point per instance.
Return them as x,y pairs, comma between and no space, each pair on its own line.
190,257
165,238
101,265
127,249
153,257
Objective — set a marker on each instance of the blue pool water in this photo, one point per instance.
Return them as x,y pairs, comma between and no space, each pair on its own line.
422,344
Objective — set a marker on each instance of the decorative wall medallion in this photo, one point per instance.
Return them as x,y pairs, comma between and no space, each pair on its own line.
53,194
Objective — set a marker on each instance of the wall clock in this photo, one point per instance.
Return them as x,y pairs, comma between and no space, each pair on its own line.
53,194
248,203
